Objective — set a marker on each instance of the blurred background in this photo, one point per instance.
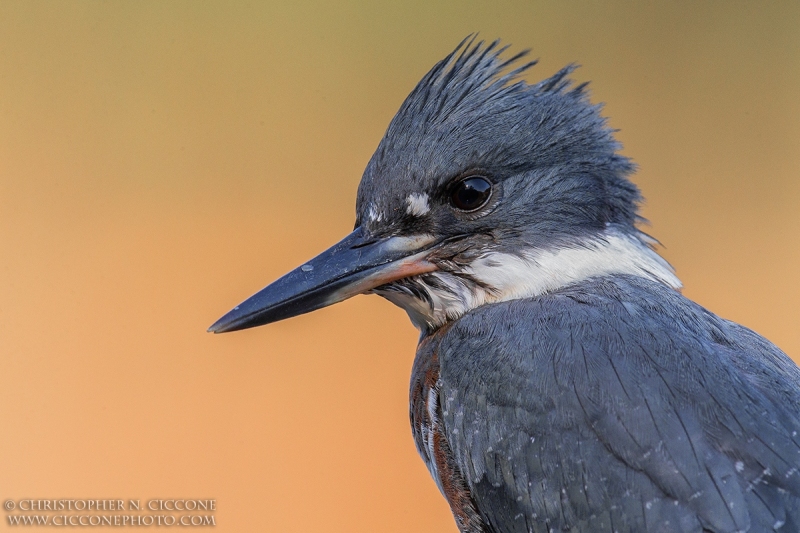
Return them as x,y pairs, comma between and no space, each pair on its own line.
161,161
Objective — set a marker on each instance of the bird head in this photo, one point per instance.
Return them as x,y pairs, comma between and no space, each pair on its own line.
484,188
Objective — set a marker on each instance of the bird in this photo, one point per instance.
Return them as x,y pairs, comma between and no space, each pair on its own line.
562,381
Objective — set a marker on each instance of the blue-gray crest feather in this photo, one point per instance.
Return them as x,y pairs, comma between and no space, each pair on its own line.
473,112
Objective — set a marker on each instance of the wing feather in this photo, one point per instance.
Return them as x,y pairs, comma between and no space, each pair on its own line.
619,405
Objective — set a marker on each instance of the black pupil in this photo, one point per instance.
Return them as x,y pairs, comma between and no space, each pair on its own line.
471,193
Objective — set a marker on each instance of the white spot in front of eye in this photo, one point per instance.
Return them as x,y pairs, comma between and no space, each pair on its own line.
417,204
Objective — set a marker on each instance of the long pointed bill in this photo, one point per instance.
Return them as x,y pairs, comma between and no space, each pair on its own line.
352,266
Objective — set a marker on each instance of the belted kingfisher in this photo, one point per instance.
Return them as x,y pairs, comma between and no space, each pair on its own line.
562,382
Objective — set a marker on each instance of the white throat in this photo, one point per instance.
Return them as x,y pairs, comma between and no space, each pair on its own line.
503,276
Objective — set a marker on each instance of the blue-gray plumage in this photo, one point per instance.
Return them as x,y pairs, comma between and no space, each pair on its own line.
649,414
562,382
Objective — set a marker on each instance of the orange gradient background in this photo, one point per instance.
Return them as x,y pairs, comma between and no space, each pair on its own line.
161,161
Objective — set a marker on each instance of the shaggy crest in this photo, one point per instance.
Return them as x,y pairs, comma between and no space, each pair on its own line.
473,111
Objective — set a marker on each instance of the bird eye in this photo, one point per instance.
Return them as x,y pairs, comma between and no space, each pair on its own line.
471,193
